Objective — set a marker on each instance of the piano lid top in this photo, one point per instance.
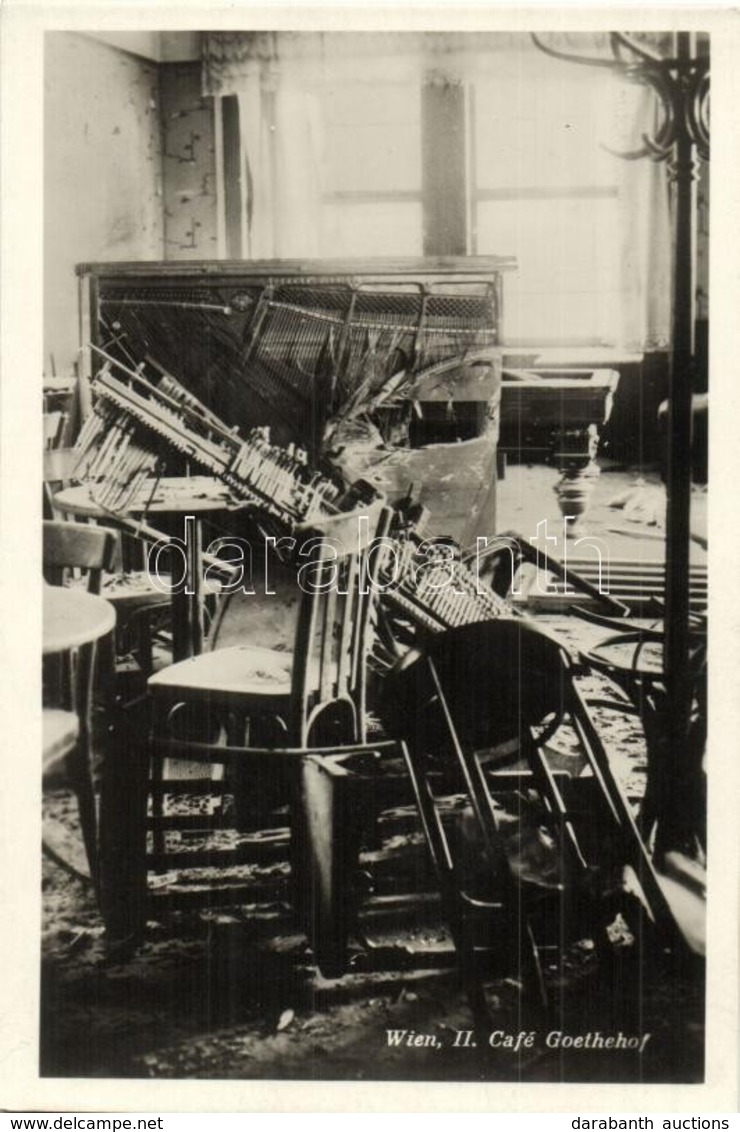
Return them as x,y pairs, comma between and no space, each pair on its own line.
380,268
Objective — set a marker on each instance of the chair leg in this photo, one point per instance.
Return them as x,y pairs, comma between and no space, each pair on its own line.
144,647
124,788
48,505
327,825
254,797
156,790
80,778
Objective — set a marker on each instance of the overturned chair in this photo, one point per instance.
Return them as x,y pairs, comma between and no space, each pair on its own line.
489,700
475,714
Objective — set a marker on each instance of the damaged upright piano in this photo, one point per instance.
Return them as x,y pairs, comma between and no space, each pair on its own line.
386,370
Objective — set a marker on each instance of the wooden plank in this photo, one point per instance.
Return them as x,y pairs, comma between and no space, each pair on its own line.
383,268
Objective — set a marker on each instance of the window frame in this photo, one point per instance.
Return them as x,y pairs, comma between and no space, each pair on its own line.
449,195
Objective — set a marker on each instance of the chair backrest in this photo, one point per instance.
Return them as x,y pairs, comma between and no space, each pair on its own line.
498,677
337,560
69,546
58,466
53,425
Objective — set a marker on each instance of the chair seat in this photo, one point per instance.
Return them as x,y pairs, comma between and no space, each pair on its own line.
239,671
60,731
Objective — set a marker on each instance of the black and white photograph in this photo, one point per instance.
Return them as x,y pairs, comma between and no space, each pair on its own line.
372,514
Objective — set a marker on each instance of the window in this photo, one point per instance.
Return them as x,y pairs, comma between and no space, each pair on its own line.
491,150
544,190
372,200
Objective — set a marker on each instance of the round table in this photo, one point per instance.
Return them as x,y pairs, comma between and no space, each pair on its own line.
73,618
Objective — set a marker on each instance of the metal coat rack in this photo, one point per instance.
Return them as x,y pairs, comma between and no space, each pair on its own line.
680,81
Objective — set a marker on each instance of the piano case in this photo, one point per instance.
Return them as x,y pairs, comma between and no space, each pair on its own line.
388,370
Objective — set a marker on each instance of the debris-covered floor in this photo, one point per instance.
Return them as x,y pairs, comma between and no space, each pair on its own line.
205,999
230,992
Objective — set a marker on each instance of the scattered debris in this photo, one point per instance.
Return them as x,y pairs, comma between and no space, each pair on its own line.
285,1020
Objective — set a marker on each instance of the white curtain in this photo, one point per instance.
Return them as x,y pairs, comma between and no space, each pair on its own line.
281,155
646,231
281,80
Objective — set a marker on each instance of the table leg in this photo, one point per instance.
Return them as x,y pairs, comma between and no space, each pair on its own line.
124,776
195,572
575,458
187,602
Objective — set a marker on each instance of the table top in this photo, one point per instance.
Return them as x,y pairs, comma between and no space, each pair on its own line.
173,495
643,660
73,618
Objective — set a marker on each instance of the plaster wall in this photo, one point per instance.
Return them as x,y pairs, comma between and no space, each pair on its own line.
102,173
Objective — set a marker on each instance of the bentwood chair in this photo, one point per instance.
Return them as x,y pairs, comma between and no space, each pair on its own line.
257,712
478,711
77,547
673,810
